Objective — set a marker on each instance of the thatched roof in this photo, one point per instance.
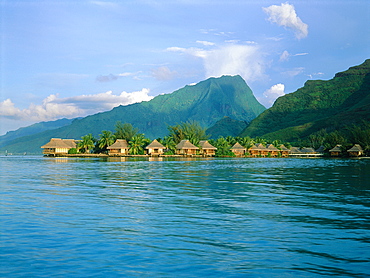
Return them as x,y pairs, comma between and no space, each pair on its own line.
295,150
205,145
185,144
308,150
283,148
57,143
155,145
355,148
119,144
321,149
271,147
258,147
237,146
337,148
70,142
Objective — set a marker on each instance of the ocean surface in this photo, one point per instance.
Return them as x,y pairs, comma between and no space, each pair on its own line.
252,217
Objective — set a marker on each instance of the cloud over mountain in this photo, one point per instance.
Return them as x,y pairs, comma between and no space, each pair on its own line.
54,107
285,15
272,94
229,59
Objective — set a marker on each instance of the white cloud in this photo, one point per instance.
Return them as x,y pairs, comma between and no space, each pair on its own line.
285,15
294,72
7,108
206,43
229,59
272,94
54,107
163,73
285,55
113,77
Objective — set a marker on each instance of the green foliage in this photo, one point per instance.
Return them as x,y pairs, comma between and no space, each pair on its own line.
86,143
137,144
190,130
169,143
72,151
360,135
125,131
227,126
331,105
334,138
105,140
223,147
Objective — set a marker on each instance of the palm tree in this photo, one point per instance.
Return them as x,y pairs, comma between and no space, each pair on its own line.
105,140
231,140
86,143
247,142
137,144
169,143
223,147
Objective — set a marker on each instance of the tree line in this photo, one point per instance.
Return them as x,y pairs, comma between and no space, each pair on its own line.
193,132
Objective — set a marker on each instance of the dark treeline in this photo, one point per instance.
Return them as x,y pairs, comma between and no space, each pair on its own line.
193,132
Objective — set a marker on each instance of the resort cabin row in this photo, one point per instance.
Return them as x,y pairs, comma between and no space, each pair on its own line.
185,147
259,150
355,151
57,146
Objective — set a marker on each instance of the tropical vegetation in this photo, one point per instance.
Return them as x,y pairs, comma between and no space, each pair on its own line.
192,131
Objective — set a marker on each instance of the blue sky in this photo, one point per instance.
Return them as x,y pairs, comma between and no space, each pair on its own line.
75,58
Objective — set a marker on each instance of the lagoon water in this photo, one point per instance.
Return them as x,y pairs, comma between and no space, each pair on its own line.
89,217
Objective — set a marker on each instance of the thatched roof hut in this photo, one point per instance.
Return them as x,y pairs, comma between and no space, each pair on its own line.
295,150
155,148
238,149
336,151
272,150
206,148
356,150
58,146
284,150
119,147
185,147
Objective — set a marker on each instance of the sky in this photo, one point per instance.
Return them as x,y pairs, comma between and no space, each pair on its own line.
67,59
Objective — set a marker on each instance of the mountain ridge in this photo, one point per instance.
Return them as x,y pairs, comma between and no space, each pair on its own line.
332,104
206,102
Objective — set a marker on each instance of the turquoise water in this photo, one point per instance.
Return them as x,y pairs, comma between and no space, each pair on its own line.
79,217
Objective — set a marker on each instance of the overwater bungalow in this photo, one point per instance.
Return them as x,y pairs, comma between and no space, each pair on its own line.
58,146
186,148
272,150
284,151
254,151
155,148
206,149
238,149
336,151
120,147
356,150
258,150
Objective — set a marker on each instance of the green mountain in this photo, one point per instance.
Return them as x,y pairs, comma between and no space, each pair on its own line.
226,127
332,105
206,102
33,129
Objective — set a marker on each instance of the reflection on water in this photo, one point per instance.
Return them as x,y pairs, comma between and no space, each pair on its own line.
172,217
